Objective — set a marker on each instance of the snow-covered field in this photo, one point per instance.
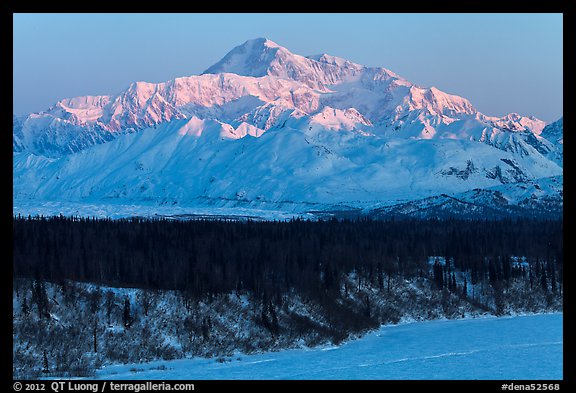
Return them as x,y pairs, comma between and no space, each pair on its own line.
519,347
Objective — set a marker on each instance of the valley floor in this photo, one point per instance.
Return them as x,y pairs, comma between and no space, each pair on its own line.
122,210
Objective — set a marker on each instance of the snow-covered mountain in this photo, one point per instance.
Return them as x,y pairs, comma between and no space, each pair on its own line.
539,198
554,132
266,126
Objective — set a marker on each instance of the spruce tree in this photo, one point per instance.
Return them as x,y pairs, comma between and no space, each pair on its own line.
127,316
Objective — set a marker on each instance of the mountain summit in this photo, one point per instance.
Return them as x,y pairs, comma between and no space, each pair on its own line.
252,58
267,127
262,57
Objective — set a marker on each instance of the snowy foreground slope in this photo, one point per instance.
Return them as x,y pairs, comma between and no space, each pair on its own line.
265,129
82,331
507,348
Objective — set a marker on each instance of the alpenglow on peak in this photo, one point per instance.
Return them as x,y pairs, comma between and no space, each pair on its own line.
319,129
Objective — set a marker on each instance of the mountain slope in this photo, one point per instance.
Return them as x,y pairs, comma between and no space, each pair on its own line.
188,159
536,198
554,132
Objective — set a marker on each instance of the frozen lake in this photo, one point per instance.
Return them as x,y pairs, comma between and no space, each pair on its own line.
520,347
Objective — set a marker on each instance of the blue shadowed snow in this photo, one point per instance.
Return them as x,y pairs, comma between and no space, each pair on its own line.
521,347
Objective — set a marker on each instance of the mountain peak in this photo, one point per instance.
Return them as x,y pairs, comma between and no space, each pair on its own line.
252,58
260,57
262,41
257,44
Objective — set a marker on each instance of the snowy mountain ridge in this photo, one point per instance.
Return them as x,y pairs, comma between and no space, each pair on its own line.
254,74
264,124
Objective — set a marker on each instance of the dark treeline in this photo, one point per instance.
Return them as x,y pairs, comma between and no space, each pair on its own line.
205,258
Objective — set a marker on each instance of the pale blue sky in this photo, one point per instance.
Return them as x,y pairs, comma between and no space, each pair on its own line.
501,62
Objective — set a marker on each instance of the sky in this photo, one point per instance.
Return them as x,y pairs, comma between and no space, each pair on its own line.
502,63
